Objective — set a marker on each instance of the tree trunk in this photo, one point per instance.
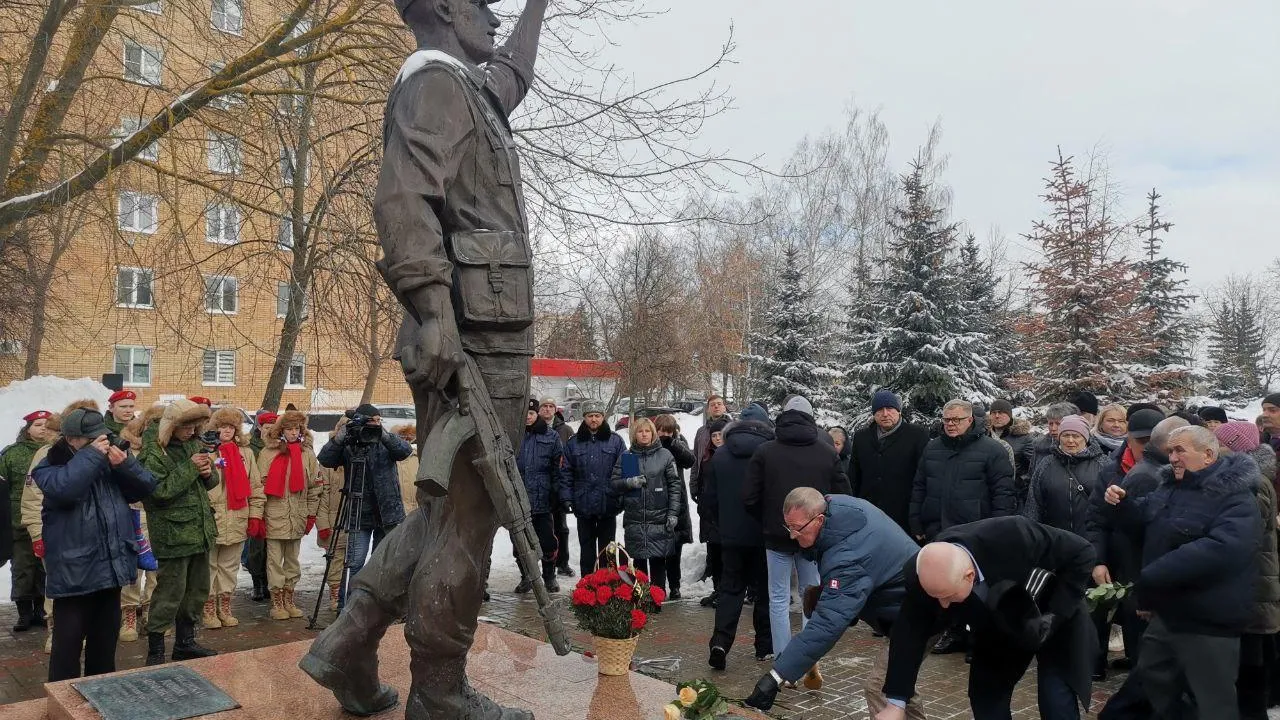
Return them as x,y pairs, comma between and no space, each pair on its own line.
35,338
371,380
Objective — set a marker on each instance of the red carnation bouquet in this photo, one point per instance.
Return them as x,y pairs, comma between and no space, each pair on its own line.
615,602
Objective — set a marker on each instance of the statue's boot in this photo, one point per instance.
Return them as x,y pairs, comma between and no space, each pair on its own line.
344,658
429,703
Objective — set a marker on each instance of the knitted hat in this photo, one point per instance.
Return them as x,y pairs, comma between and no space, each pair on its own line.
799,404
755,411
1212,413
368,410
1075,424
1001,406
1143,422
1239,436
121,395
1086,401
83,423
1272,399
718,424
548,401
885,399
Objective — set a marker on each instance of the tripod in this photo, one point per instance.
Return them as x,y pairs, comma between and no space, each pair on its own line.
350,511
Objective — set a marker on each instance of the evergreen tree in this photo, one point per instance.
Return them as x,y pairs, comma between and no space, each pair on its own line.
1084,328
922,345
985,311
850,397
1236,347
789,356
1165,300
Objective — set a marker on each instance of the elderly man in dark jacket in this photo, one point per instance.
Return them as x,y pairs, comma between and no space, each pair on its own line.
1020,585
741,539
589,459
861,554
885,457
546,480
1200,532
89,551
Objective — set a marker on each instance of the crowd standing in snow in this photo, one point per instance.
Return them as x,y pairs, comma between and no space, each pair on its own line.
976,535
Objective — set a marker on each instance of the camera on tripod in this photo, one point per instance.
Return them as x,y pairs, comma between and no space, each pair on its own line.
118,442
361,432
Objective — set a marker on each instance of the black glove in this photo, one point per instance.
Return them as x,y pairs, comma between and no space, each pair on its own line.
765,693
1037,630
340,436
671,523
665,440
567,507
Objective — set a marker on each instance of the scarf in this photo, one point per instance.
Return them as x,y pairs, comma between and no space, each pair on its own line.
1127,461
286,463
234,477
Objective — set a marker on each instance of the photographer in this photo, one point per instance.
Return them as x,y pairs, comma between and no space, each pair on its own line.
89,547
382,508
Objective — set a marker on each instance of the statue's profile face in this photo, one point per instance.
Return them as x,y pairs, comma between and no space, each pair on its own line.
476,28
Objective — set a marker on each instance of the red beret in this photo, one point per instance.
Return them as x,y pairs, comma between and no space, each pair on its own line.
37,415
119,395
201,400
266,418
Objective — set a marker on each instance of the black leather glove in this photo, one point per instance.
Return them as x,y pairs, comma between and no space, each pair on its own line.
765,693
671,523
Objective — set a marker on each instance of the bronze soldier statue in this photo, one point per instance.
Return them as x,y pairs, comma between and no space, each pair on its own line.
450,215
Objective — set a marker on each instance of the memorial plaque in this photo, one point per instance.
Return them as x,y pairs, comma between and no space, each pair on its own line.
167,693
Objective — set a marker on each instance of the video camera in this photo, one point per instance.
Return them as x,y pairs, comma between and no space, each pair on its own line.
359,431
118,442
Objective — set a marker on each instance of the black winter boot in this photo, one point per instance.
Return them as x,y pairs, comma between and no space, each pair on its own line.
37,612
260,591
25,615
155,648
184,644
549,577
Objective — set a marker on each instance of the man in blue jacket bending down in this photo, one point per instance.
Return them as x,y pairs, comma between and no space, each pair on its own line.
861,553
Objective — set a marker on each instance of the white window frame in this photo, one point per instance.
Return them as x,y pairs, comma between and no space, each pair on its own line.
155,7
128,374
130,220
224,154
300,362
289,167
11,347
221,290
231,23
149,67
224,102
283,292
134,274
284,234
221,360
130,124
222,223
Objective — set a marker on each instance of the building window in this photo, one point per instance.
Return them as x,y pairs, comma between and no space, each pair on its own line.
297,372
289,167
14,347
228,16
284,239
222,223
221,294
224,153
284,291
218,367
141,63
133,287
138,212
134,363
222,102
155,7
130,125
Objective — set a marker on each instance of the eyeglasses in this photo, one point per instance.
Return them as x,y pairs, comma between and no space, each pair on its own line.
955,420
797,531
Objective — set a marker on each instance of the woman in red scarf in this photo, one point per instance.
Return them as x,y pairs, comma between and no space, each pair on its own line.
291,485
239,487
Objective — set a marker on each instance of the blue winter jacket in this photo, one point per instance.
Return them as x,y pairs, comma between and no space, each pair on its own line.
1199,540
89,543
382,478
546,479
589,459
861,553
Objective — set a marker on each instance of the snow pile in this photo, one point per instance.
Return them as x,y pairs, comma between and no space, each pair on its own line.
43,392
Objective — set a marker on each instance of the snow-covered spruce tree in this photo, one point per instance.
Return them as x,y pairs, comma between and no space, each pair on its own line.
1236,347
788,355
851,396
923,345
986,312
1082,331
1165,370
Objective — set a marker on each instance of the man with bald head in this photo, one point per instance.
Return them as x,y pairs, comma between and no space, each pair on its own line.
1020,586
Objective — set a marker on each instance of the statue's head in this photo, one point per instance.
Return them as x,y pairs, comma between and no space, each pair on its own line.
463,28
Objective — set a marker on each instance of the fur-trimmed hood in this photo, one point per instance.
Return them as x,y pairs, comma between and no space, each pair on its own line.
137,427
180,412
1020,427
232,417
584,433
291,418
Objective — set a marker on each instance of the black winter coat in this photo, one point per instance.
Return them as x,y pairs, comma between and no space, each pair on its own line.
1200,538
1264,619
1061,488
882,471
796,457
589,460
546,479
1120,551
960,480
1018,436
88,527
645,511
679,449
724,478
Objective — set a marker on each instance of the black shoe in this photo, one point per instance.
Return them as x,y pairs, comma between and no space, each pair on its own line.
155,648
554,587
968,657
26,616
877,634
37,612
765,657
185,646
710,600
950,642
486,594
565,571
1122,664
717,659
675,594
1099,675
260,591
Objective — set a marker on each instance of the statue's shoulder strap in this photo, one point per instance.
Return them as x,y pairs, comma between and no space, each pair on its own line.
472,79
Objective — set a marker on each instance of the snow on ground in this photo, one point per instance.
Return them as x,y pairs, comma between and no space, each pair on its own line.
43,392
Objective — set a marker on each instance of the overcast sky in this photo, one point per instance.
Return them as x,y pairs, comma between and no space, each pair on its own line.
1183,95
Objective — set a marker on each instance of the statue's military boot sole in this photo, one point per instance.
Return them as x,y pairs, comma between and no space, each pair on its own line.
344,687
425,705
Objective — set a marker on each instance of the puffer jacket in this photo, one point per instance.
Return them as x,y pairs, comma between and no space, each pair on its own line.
382,480
179,517
232,524
683,456
1200,537
286,517
1061,488
589,460
15,463
1119,550
542,469
961,480
1265,618
90,544
645,511
724,478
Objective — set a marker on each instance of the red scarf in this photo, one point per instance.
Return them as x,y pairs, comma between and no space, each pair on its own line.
234,477
1127,460
290,464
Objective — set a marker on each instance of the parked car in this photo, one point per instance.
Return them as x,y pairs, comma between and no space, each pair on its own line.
323,421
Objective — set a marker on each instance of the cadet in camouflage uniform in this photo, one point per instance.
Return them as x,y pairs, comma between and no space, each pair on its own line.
26,570
182,528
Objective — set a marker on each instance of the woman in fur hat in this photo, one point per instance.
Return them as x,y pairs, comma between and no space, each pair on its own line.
292,487
239,486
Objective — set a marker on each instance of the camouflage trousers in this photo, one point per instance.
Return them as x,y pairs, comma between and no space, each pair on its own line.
182,587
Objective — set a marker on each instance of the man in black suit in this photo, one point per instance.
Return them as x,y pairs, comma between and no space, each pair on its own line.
1020,586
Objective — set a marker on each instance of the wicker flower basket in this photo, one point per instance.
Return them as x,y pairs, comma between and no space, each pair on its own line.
614,656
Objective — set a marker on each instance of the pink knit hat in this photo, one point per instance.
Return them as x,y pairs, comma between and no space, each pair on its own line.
1075,424
1239,436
